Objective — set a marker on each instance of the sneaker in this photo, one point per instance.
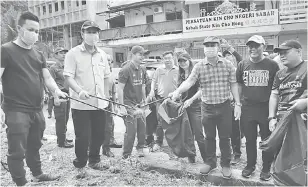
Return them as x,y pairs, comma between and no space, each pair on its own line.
248,171
81,173
226,172
49,116
66,145
140,152
156,147
265,176
44,177
192,159
69,140
99,166
206,169
115,145
235,159
125,156
108,153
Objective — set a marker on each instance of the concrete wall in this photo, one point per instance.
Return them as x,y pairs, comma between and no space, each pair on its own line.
301,37
138,17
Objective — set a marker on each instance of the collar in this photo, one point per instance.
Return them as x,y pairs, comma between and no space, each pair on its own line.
173,67
135,65
208,63
83,48
58,64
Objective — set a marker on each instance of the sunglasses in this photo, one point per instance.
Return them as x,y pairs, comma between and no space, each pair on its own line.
254,45
210,44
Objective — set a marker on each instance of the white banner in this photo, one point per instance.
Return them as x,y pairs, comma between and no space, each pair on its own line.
228,21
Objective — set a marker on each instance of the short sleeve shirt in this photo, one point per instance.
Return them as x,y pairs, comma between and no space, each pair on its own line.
256,79
89,71
134,77
166,80
215,80
291,84
56,72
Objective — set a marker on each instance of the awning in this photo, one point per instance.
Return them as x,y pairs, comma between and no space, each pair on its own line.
189,2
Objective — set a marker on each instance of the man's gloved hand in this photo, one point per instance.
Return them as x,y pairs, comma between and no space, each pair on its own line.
84,95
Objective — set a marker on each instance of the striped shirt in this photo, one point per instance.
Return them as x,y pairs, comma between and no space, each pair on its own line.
215,80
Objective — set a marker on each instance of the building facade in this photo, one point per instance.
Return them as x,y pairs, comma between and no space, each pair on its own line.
167,25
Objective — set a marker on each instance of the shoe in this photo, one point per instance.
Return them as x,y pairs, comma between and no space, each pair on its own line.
226,172
20,182
156,147
206,169
265,176
66,145
248,171
49,116
81,173
108,153
125,156
140,152
115,145
192,159
44,139
235,159
99,166
69,140
44,177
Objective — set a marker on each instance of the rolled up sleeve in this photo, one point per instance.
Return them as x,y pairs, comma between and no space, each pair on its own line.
70,65
195,73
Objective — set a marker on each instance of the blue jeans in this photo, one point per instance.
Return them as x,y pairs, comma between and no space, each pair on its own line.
217,116
24,134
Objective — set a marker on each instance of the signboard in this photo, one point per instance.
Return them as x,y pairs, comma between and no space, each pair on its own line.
229,21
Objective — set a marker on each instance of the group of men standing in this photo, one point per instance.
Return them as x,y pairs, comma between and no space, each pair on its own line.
204,88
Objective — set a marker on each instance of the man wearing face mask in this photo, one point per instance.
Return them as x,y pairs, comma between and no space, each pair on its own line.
217,79
87,72
62,109
255,77
165,81
24,72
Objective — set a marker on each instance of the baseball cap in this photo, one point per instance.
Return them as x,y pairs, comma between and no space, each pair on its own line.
225,53
89,24
59,49
256,38
289,44
184,56
211,39
138,49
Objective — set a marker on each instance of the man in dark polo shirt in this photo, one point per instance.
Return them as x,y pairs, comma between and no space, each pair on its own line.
131,91
62,109
24,72
255,76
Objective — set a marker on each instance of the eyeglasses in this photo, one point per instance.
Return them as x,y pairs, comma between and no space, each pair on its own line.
210,44
254,45
182,60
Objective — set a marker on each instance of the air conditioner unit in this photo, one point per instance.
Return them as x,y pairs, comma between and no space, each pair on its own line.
158,10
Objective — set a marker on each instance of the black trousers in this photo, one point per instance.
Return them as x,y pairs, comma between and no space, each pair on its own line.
62,115
236,136
89,125
251,117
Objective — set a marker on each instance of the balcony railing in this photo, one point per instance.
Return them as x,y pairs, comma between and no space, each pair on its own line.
151,29
292,11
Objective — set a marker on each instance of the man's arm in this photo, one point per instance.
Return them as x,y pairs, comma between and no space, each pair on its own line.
235,92
273,103
120,92
1,73
49,81
153,83
73,84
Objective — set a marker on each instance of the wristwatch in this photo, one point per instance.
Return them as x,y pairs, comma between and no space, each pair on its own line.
270,118
238,104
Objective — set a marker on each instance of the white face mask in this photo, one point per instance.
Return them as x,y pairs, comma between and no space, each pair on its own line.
210,51
91,39
28,37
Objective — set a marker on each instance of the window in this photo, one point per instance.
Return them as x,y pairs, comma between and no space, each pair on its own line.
62,5
50,8
149,18
208,7
44,10
174,15
38,10
77,3
56,7
244,4
83,2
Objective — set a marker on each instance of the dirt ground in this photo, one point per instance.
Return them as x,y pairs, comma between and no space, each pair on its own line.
134,171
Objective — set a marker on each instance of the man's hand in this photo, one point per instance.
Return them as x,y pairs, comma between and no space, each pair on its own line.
187,103
59,94
84,95
2,117
174,95
57,101
272,124
123,110
299,104
237,112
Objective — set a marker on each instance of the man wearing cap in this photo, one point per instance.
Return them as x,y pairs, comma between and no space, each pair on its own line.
255,76
62,109
217,79
131,91
165,81
232,55
87,72
290,84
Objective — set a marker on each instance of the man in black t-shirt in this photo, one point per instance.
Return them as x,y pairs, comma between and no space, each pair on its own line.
255,77
290,83
23,73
